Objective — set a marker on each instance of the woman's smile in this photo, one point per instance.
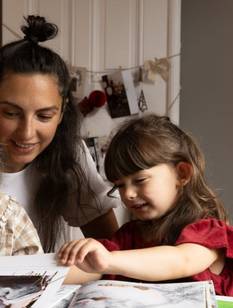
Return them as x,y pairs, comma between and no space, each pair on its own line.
24,148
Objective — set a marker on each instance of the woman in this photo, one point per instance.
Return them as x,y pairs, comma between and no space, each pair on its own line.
47,166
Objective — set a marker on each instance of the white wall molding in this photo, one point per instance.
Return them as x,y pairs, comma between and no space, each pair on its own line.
80,15
174,46
133,33
65,29
73,42
140,32
31,7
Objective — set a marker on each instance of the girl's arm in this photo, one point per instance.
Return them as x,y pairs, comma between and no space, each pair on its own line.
77,276
149,264
162,262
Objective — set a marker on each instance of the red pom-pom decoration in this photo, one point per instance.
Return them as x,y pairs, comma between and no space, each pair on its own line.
97,99
85,106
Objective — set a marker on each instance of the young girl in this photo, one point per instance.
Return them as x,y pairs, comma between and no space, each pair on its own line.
180,230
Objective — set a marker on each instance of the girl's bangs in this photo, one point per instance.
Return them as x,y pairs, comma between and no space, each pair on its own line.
126,160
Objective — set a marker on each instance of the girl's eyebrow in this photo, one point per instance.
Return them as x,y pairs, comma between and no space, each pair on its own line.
140,173
52,107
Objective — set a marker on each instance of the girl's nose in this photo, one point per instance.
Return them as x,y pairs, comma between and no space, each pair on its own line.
130,193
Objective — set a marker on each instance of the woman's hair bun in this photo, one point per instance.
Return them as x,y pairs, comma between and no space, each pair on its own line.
38,29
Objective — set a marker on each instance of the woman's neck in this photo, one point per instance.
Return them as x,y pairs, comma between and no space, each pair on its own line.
8,168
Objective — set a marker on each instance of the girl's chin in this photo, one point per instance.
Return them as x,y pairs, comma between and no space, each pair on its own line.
146,216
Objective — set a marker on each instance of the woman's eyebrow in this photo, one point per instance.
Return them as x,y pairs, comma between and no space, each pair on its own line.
52,107
49,108
9,103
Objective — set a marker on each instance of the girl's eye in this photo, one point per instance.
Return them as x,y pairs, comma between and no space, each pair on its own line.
119,186
140,180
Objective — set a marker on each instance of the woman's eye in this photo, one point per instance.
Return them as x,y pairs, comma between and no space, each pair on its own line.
11,114
45,117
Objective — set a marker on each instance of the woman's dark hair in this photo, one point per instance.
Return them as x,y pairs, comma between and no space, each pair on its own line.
61,174
152,140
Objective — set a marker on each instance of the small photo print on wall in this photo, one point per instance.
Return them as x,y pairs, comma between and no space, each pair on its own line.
78,81
97,147
121,93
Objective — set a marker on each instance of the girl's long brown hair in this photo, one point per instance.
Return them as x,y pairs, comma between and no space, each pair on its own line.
152,140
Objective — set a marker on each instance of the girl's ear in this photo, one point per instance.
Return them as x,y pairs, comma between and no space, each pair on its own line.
185,172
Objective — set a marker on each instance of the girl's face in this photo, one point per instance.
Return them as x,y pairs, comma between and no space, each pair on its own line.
150,193
30,112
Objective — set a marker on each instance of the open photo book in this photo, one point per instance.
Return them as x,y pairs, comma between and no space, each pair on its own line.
36,281
30,280
113,294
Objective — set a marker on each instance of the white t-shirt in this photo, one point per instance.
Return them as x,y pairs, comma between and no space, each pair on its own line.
22,186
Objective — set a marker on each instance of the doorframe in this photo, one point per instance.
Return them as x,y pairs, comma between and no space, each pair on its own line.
1,22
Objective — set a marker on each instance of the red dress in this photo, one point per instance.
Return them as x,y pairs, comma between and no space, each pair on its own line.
210,233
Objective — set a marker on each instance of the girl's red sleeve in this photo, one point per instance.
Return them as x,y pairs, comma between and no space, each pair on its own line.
211,233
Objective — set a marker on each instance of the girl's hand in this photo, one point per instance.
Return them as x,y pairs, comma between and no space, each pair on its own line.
88,254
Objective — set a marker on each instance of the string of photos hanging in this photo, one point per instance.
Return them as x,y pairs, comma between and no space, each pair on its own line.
122,87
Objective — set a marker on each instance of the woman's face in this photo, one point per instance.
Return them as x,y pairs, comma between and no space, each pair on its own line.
30,112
